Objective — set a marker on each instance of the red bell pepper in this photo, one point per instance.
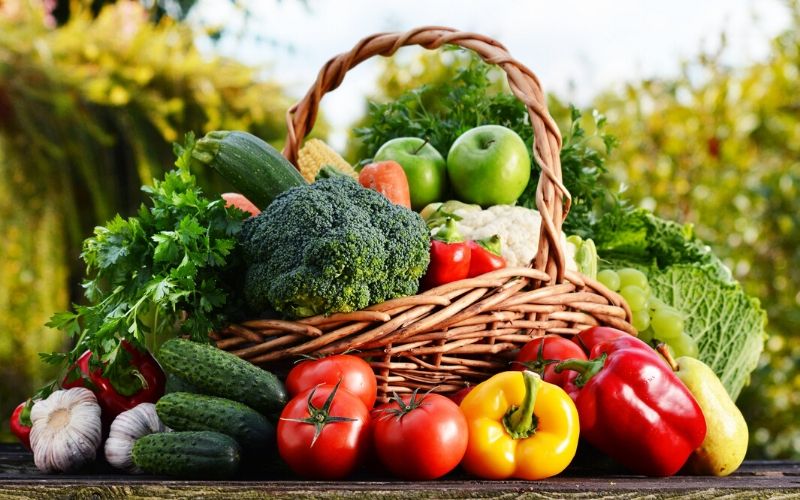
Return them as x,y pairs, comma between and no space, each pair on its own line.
485,256
590,337
633,408
450,257
141,382
21,424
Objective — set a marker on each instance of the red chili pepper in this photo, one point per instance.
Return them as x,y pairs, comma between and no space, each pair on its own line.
142,382
633,407
485,256
21,424
450,257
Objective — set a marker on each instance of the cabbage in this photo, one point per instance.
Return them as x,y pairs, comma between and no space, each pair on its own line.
727,324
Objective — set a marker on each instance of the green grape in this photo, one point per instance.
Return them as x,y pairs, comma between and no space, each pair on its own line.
629,276
656,303
684,345
635,297
641,319
645,335
667,323
609,278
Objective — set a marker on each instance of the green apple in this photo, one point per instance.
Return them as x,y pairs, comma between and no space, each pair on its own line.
424,167
489,165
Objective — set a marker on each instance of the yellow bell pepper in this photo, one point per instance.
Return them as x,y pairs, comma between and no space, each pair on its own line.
519,426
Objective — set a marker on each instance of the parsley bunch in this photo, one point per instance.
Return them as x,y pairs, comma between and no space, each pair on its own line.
169,270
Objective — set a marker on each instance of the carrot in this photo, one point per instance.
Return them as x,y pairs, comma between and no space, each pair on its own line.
239,201
389,179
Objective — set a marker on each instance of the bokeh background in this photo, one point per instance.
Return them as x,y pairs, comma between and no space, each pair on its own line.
704,99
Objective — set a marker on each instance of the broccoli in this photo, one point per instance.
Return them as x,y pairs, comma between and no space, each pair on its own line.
332,246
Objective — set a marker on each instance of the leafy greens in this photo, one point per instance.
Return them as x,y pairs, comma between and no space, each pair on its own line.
169,270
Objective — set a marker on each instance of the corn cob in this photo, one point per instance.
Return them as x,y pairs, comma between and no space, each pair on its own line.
315,154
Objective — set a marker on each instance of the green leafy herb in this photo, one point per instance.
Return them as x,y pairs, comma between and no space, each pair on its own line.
165,272
638,236
442,111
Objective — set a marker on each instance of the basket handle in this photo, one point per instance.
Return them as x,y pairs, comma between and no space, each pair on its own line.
552,198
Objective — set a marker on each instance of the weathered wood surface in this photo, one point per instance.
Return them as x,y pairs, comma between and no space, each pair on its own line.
20,479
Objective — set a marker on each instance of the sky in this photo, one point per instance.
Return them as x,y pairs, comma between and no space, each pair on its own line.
576,47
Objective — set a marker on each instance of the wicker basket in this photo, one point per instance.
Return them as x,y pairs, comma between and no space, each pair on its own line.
462,332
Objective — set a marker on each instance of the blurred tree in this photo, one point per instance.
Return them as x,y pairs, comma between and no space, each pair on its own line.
88,112
718,147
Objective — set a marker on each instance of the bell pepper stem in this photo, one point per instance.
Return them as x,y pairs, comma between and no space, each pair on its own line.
521,422
448,232
586,368
492,244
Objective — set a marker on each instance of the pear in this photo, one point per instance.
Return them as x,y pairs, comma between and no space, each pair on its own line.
725,444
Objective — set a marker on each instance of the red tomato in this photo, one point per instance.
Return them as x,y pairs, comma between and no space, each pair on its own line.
239,201
324,433
355,374
590,337
458,396
541,355
420,437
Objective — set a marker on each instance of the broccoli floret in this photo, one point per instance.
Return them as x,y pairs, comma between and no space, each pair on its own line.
332,246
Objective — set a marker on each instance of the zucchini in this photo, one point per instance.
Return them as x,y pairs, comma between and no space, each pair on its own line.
222,374
192,455
253,167
182,411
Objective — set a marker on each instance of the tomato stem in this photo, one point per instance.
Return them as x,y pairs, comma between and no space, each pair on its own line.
320,417
404,407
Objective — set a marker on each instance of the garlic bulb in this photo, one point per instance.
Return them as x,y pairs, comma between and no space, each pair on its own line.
129,426
66,430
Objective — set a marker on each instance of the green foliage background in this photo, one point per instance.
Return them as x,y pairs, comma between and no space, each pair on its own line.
88,111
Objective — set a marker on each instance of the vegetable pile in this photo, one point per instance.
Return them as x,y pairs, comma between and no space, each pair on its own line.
444,194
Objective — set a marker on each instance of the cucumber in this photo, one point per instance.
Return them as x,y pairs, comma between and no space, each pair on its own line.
222,374
177,384
182,411
251,165
192,455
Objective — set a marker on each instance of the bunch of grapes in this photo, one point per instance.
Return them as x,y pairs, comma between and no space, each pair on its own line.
653,319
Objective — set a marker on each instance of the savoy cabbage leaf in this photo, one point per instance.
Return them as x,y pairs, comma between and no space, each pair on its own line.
728,325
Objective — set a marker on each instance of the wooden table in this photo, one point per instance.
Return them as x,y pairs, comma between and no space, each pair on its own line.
19,478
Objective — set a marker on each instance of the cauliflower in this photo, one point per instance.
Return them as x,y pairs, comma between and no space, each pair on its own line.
517,227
